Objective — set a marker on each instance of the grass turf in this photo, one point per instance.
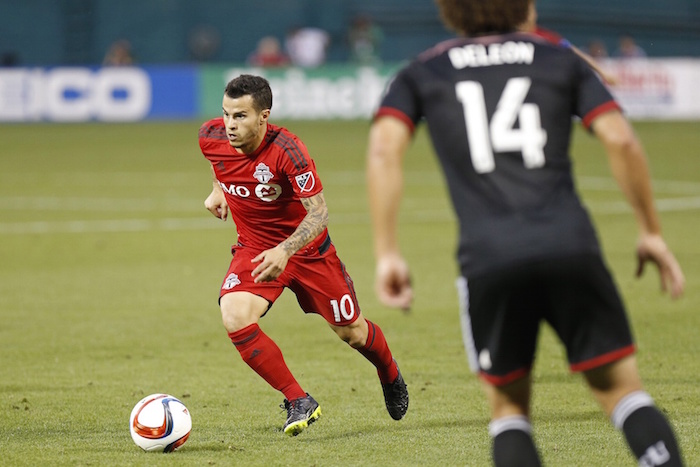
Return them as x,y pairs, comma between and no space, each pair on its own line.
109,273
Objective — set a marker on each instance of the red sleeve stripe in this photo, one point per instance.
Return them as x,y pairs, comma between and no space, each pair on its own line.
601,109
603,359
392,112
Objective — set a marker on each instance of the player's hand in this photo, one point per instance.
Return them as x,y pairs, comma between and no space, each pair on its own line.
393,282
653,248
216,204
272,264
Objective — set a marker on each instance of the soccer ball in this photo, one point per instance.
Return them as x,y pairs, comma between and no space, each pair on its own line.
160,422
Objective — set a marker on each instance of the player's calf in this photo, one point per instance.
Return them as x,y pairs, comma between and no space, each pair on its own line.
647,431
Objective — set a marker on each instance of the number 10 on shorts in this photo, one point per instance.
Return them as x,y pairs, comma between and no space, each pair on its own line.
346,308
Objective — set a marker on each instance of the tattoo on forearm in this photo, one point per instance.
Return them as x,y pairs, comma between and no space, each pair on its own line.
313,224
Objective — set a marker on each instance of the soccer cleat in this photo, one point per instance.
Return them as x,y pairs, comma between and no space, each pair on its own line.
396,396
301,413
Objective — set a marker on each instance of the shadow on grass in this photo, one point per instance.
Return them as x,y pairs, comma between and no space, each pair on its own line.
214,446
400,428
567,416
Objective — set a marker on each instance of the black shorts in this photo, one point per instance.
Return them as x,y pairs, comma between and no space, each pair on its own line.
501,313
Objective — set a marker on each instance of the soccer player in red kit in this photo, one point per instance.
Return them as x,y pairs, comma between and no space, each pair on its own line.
263,174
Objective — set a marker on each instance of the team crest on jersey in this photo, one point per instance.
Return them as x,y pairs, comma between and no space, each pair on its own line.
263,173
231,281
305,181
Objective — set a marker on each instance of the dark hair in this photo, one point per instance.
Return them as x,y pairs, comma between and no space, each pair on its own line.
249,85
477,17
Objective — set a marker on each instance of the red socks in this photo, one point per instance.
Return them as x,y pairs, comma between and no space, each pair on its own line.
265,358
376,350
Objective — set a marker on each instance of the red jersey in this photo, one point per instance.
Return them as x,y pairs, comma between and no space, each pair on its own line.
263,189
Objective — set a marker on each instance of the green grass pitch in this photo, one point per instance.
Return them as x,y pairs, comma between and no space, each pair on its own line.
109,273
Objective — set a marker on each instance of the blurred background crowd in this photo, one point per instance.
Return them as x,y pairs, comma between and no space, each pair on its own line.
308,33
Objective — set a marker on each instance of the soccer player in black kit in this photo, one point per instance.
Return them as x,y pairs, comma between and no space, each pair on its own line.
499,107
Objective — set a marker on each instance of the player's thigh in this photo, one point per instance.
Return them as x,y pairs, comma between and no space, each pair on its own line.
241,309
322,285
242,301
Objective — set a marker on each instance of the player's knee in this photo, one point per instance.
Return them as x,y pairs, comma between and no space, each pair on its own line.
239,310
357,340
352,335
235,319
231,321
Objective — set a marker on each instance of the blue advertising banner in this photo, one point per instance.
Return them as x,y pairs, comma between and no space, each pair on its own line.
110,94
174,92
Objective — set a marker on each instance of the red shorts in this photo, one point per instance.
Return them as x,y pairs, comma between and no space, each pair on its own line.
316,276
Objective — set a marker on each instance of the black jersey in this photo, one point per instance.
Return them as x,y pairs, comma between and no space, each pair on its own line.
499,110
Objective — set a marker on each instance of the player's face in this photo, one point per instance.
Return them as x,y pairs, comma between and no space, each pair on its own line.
245,127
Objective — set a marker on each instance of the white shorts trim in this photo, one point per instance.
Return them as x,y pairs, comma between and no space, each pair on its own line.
466,322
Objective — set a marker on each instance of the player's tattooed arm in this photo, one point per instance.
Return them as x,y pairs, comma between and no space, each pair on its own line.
311,226
272,262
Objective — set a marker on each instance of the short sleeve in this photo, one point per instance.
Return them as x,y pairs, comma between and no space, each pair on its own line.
298,166
401,100
211,134
593,98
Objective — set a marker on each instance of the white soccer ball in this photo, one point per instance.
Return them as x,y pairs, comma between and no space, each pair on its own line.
160,422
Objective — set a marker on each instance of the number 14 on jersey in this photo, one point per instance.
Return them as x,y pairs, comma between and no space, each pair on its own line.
500,135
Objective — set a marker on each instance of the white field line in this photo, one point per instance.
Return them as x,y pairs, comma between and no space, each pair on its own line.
206,222
662,205
669,187
106,226
74,203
